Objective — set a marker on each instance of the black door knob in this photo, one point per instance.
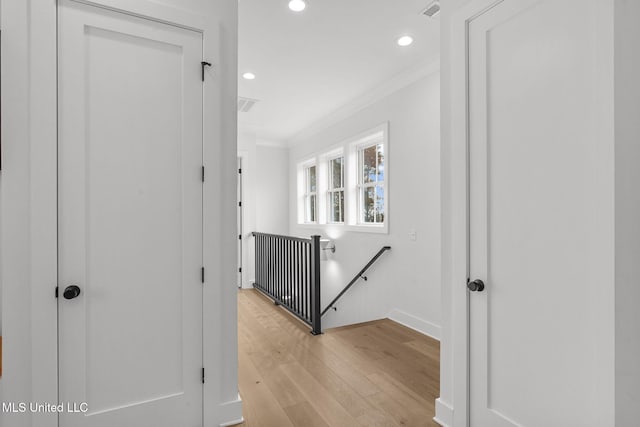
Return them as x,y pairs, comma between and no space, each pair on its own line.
71,292
476,286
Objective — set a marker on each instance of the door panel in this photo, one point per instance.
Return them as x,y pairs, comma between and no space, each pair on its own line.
531,150
130,219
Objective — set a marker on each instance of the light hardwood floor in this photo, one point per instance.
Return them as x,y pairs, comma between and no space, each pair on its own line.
372,374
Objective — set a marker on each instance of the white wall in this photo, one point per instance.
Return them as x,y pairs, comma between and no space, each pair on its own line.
272,189
265,180
405,282
28,225
247,151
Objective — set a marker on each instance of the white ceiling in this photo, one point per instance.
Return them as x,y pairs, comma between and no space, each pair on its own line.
310,64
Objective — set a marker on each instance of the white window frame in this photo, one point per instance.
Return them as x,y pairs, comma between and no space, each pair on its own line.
348,150
331,189
362,186
308,194
375,136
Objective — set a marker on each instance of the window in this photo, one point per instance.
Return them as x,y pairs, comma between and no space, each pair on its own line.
371,186
336,190
346,186
310,194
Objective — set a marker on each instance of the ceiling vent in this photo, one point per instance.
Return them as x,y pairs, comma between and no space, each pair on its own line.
245,104
432,10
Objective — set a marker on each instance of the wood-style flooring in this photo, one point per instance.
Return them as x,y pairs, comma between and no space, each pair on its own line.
372,374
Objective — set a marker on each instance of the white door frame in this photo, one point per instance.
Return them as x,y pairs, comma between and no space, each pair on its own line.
29,203
459,163
240,207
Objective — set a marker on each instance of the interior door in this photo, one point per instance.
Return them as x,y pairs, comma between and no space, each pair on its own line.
532,138
130,220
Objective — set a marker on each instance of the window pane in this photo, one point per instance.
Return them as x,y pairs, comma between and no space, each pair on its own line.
337,206
336,172
379,204
380,153
369,164
368,204
312,208
312,179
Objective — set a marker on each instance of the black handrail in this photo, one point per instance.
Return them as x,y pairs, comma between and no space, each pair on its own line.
288,272
357,277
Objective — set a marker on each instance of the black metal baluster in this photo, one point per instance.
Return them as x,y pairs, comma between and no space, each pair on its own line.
283,291
286,273
305,281
310,313
275,269
255,251
271,260
292,292
297,271
258,256
301,276
291,281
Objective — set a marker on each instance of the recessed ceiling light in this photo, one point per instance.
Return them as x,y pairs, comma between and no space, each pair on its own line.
405,41
249,76
297,5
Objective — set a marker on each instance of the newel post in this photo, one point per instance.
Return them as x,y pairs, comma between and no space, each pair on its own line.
316,315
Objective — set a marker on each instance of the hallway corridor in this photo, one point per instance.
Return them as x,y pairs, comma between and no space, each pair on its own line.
373,374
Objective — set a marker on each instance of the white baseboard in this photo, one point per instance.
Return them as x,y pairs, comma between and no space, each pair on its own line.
444,414
231,412
233,423
415,323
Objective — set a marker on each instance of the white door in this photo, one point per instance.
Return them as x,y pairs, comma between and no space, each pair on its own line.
130,220
532,138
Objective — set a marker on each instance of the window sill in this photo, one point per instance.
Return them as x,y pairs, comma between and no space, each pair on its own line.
375,229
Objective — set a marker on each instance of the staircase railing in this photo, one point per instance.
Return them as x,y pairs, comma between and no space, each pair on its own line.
288,272
357,277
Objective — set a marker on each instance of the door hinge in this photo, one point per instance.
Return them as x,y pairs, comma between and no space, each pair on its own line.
240,270
56,292
202,375
202,173
204,64
239,170
202,274
240,204
239,236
